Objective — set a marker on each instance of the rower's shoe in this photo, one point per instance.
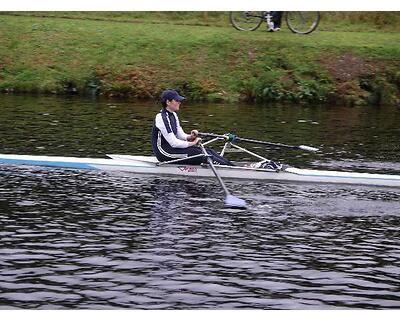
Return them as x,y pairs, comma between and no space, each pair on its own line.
271,165
268,164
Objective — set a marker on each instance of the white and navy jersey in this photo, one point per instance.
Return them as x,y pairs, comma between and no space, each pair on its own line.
168,138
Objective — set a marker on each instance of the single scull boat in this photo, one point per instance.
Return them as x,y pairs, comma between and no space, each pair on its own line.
150,165
263,171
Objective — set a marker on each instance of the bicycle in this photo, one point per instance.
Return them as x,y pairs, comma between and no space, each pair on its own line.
297,22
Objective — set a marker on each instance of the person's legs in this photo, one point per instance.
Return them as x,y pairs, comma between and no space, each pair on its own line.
217,158
193,151
168,154
277,18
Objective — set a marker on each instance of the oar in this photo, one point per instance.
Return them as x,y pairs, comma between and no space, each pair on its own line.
230,200
233,138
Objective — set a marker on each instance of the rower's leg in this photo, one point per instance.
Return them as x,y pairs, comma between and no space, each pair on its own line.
193,151
217,158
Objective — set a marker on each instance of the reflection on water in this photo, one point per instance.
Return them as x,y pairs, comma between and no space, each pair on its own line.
84,239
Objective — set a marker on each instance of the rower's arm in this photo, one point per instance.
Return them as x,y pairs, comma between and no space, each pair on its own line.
180,133
169,135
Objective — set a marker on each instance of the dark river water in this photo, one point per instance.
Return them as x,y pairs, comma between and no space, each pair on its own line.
75,239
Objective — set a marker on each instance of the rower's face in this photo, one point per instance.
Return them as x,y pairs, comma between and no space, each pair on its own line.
173,105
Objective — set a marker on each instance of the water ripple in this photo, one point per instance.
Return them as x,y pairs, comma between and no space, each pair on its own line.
88,240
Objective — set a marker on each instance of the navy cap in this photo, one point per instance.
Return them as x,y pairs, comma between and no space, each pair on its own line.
171,95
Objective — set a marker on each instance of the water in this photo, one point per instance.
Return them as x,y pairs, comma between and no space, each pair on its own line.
95,240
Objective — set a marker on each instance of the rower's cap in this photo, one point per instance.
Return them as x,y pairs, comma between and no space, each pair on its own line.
171,95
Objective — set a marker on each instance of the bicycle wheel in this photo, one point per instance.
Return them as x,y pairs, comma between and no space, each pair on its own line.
246,20
302,22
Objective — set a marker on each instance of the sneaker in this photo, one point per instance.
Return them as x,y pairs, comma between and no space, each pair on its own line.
271,165
277,29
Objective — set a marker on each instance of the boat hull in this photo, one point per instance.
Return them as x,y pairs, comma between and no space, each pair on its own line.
149,165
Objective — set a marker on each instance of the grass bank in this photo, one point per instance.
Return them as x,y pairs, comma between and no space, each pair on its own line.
89,55
351,21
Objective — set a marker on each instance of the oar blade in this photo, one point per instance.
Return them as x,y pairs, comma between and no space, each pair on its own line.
308,148
235,202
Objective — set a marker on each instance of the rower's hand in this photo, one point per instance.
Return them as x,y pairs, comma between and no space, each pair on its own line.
194,134
195,142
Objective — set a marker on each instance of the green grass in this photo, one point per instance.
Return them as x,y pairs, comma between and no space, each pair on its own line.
331,21
92,53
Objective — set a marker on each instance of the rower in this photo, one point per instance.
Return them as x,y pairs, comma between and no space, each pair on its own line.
170,142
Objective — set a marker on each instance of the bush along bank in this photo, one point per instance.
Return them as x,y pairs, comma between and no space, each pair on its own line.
344,80
338,82
340,79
